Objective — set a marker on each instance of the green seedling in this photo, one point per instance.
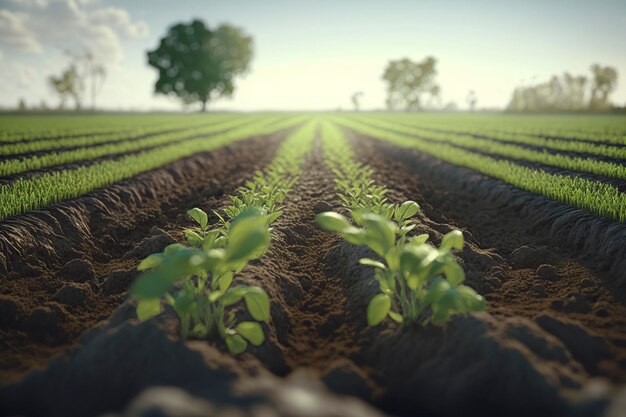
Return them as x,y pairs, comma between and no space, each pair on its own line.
197,283
419,283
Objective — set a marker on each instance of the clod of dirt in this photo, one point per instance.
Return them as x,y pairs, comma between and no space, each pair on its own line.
157,240
9,309
573,303
345,378
478,365
538,290
586,283
78,270
321,207
118,282
45,322
586,348
530,257
73,294
548,272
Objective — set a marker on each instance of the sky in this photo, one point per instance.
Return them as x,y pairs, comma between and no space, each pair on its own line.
313,55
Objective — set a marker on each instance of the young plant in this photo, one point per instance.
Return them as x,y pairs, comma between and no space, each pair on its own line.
197,282
418,282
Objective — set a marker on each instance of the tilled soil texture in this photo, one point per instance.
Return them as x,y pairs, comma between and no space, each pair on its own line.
66,267
514,360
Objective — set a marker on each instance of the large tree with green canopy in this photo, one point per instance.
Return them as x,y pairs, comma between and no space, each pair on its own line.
198,64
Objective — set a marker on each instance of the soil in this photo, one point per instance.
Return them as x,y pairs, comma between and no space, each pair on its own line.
552,342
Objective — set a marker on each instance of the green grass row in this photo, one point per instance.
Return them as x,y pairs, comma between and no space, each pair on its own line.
592,128
25,195
592,196
591,148
14,128
585,165
16,166
88,140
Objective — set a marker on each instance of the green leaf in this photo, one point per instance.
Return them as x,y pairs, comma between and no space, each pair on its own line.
405,211
173,248
378,309
251,331
225,280
236,344
454,273
453,239
152,261
419,239
249,237
396,317
148,308
332,222
258,303
234,295
193,238
380,233
371,262
199,216
215,295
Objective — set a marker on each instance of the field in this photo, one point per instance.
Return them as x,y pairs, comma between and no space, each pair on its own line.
537,327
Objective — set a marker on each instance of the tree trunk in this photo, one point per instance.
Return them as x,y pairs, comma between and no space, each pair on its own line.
204,106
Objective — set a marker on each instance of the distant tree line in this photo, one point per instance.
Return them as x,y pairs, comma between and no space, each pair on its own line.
568,93
84,72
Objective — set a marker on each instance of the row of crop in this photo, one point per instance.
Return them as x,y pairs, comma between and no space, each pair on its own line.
24,195
586,128
595,197
500,149
418,282
16,166
38,128
109,138
198,279
584,147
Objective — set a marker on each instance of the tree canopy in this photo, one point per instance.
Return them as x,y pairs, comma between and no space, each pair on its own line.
408,82
198,64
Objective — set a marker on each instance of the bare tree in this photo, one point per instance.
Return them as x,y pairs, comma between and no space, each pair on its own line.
69,84
603,84
356,97
471,100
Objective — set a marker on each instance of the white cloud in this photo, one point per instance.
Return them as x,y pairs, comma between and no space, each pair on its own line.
72,25
15,34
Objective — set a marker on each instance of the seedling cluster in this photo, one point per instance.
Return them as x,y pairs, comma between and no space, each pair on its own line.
196,278
419,283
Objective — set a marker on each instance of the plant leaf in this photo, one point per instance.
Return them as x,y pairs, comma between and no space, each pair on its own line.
378,309
251,331
453,239
199,216
148,308
258,303
152,261
332,222
236,344
371,262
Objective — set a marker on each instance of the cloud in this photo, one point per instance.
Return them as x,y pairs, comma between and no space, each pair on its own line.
72,25
15,34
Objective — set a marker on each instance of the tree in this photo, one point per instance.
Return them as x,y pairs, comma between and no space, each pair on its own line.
603,84
196,63
69,84
356,97
92,71
408,81
471,100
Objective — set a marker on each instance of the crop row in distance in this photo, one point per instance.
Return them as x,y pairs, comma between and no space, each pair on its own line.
509,151
25,195
73,141
418,283
592,128
553,144
24,128
592,196
39,161
198,278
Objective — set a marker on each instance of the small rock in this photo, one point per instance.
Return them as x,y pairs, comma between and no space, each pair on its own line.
548,272
322,206
586,283
73,295
602,312
538,290
45,321
118,282
573,303
529,257
78,270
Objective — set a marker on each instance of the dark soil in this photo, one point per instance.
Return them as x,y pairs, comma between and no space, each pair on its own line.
69,266
552,342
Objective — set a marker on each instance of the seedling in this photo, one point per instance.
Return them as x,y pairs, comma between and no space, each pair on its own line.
419,283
